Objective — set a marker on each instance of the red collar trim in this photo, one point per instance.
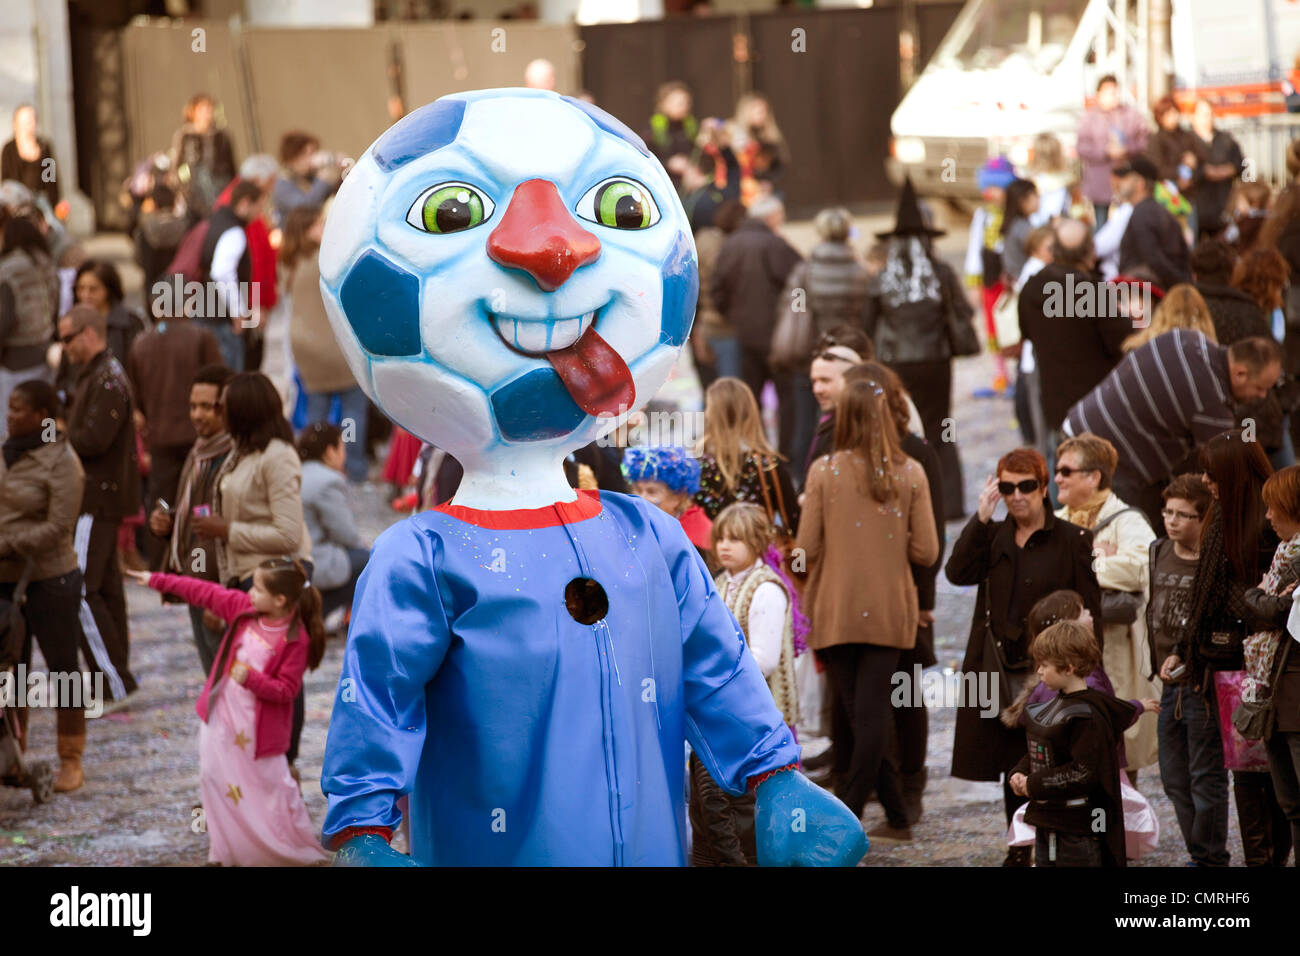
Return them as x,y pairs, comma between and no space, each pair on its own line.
524,519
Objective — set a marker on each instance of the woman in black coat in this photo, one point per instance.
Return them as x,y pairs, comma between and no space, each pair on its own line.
1015,562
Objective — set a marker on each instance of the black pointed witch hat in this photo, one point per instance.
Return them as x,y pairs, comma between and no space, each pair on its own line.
909,220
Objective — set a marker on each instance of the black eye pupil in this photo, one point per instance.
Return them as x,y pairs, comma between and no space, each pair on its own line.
627,212
452,215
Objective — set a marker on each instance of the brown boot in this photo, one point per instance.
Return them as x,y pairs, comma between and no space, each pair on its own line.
72,742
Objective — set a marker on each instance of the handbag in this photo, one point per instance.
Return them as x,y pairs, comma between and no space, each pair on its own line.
1119,607
793,338
1239,752
1256,719
1006,319
963,340
1013,676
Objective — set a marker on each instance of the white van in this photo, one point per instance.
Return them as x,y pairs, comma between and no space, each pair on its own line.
1010,69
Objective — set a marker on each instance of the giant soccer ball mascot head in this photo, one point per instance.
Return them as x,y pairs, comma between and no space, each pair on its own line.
510,274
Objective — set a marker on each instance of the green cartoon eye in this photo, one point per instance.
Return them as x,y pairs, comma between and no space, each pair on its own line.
449,207
620,204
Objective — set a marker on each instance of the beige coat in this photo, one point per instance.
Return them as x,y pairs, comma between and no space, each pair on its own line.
859,553
1124,655
40,499
316,351
261,499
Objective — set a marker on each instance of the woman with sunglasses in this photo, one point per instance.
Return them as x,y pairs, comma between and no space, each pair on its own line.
1085,466
1015,562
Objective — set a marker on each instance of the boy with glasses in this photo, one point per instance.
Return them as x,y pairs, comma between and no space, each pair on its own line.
1191,751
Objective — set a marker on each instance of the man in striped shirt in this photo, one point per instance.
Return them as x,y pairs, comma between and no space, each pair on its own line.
1167,397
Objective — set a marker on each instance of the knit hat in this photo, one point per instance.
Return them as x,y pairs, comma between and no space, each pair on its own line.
996,172
670,464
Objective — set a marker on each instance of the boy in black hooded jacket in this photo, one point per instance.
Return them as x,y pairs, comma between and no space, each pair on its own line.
1071,772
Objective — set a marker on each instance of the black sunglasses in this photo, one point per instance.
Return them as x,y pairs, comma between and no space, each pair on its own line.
1065,471
65,339
1026,487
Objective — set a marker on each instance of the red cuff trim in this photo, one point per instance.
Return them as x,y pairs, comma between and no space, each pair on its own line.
523,519
755,781
343,836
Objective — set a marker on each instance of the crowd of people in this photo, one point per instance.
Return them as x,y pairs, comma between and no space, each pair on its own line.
1146,561
1144,567
151,441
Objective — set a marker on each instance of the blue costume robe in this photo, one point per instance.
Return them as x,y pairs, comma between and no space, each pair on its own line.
522,736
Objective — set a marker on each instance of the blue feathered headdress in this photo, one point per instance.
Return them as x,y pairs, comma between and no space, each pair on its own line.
670,464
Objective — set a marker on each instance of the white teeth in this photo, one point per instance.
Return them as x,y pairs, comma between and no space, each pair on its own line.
542,336
529,336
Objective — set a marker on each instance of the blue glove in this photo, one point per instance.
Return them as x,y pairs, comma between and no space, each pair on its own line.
370,849
797,823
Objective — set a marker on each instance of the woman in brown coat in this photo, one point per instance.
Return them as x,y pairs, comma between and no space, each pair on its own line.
40,497
866,520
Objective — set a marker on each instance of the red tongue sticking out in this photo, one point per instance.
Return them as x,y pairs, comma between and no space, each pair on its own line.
594,375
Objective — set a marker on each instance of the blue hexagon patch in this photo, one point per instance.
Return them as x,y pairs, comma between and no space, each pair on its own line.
535,407
382,303
419,132
681,289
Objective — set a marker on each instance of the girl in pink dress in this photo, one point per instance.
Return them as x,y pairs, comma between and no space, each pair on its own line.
254,811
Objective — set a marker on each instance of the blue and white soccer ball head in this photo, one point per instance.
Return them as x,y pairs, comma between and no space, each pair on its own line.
510,274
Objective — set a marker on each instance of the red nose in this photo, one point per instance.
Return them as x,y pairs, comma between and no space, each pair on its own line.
537,234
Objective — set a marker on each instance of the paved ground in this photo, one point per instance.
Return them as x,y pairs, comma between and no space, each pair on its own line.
137,807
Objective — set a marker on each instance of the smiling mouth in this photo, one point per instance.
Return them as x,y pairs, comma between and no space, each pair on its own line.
539,336
590,369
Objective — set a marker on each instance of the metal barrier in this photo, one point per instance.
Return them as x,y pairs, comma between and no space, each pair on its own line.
1263,140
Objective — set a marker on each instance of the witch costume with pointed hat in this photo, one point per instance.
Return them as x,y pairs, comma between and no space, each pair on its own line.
918,319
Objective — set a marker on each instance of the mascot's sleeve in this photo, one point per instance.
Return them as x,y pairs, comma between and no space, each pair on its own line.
396,643
732,723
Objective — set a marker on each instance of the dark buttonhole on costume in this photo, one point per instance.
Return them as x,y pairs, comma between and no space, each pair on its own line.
586,600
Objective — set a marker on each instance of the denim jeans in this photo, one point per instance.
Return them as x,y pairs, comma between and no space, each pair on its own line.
9,378
229,341
1284,764
354,408
805,422
726,356
1191,768
1053,848
1284,457
342,596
